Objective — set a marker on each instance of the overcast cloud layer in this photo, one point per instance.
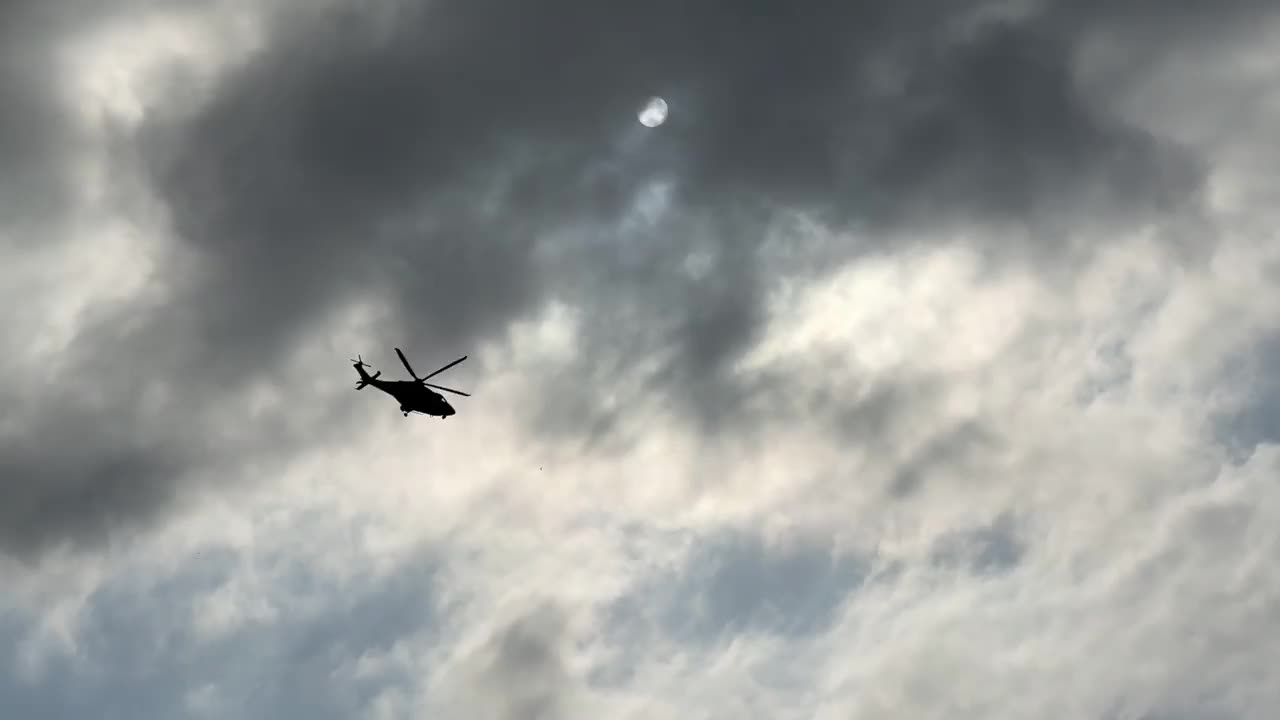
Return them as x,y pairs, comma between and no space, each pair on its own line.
921,365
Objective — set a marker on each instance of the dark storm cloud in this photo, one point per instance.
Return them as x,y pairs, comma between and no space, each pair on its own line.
34,126
79,490
123,425
432,155
471,159
69,467
40,140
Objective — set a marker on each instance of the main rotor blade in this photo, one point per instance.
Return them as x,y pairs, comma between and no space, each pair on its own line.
441,387
407,366
446,367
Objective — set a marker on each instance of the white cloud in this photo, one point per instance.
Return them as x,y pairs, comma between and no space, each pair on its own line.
1144,584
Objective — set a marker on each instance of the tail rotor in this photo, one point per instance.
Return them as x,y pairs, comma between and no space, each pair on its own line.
359,364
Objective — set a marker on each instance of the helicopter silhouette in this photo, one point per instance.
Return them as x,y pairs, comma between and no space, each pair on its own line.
413,394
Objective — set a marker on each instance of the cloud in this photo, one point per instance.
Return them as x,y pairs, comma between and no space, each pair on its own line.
35,131
463,165
733,582
918,365
523,674
1253,419
157,640
438,156
990,548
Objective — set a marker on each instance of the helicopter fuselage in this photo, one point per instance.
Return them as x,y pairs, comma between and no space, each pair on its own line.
414,397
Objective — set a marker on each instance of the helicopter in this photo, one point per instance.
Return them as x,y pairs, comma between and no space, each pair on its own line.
413,394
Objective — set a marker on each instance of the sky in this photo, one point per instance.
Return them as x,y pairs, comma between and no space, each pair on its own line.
922,364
